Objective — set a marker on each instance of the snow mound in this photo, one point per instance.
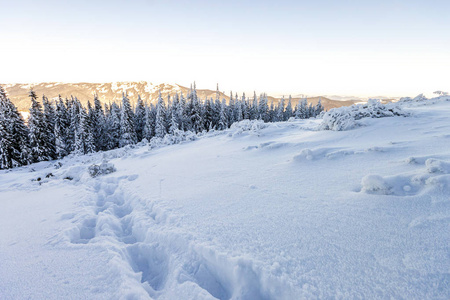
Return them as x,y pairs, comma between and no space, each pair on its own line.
179,136
375,184
102,169
252,126
345,118
437,166
435,176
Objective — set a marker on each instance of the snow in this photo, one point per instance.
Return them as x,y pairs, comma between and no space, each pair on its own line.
259,211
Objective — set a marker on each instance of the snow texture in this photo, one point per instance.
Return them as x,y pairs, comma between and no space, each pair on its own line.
258,211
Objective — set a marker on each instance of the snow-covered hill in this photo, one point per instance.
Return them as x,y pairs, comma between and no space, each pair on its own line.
259,211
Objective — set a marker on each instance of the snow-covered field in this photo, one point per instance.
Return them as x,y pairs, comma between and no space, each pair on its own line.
260,211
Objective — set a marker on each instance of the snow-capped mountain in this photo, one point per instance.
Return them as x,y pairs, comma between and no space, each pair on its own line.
110,92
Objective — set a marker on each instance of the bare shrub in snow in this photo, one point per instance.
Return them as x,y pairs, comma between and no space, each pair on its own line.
345,118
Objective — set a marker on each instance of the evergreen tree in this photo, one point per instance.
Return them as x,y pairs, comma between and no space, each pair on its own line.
150,119
74,108
139,119
288,111
127,130
223,119
280,111
319,108
254,113
84,139
263,108
245,108
113,125
160,122
208,114
62,123
49,116
37,131
98,121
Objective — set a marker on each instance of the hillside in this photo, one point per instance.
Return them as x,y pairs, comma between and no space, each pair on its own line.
109,92
259,211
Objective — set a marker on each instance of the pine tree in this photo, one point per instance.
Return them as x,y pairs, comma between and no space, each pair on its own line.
223,119
160,122
84,139
231,110
139,119
49,116
208,114
127,131
245,108
288,111
254,113
98,121
149,127
74,107
62,123
319,108
280,111
113,125
37,131
263,108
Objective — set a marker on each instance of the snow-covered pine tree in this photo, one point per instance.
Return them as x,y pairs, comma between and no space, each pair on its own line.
6,137
245,108
223,118
160,122
113,127
62,123
16,132
49,116
74,108
254,113
84,139
208,114
279,117
288,111
263,108
99,126
302,109
231,114
149,127
182,113
127,131
139,119
319,108
271,113
37,131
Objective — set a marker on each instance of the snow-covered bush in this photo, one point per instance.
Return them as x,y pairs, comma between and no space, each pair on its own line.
102,169
246,125
177,137
345,118
418,98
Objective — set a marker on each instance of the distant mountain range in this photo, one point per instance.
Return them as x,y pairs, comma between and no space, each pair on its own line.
112,92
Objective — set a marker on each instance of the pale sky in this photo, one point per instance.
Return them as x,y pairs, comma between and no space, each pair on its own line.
321,47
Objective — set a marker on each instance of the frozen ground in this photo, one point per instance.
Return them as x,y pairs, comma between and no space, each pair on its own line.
280,211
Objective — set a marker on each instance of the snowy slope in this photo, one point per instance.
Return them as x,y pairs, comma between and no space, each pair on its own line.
273,211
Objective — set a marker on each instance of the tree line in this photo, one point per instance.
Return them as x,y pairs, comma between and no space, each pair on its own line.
55,129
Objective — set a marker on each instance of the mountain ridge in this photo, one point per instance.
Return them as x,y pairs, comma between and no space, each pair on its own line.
112,92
